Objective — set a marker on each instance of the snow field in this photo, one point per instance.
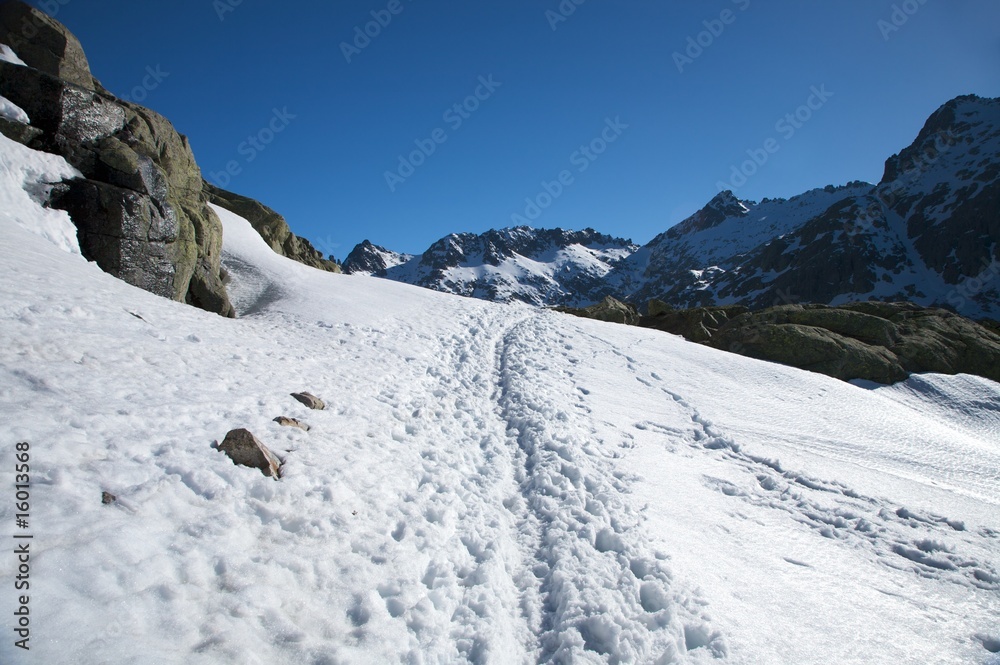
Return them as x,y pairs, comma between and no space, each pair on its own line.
489,483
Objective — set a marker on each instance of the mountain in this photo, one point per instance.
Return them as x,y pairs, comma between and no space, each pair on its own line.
489,483
539,267
928,232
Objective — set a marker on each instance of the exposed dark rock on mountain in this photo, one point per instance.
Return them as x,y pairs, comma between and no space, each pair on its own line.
272,227
541,267
609,309
881,342
928,233
139,209
369,259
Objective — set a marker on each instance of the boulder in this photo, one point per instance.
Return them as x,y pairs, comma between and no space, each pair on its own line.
108,498
18,131
610,309
310,400
140,211
44,43
285,421
695,325
246,450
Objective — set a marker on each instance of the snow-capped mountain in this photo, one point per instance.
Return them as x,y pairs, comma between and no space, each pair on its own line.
369,259
929,232
540,267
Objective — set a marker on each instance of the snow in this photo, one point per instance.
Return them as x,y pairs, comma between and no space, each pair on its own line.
12,111
489,483
9,109
25,179
7,55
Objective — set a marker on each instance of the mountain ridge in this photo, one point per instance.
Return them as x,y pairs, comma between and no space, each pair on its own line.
928,232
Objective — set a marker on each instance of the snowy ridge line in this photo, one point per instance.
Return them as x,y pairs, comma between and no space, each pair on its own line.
581,526
925,543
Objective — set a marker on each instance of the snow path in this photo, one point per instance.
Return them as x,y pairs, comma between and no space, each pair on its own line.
527,517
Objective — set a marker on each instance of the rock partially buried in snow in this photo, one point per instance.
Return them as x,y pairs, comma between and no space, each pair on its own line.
285,421
108,498
310,400
246,450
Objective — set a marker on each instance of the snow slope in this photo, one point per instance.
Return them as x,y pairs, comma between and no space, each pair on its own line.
489,483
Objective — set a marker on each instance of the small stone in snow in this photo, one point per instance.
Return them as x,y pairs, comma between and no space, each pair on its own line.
310,400
285,421
246,450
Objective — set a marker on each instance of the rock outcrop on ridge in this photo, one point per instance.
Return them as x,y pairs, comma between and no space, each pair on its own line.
873,341
141,209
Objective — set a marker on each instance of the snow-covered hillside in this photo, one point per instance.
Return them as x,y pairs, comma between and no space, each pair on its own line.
489,483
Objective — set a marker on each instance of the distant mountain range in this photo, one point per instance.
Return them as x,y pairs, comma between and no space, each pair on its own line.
929,233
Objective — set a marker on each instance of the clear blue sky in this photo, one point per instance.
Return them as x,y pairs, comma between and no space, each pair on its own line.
226,65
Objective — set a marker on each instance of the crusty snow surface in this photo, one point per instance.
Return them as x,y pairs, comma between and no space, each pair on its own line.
488,484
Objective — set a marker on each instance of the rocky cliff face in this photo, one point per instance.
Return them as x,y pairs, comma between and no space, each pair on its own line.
540,267
140,210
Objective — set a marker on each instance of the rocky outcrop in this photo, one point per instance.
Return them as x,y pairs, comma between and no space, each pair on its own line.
610,310
881,342
241,446
272,227
874,341
140,210
45,44
695,325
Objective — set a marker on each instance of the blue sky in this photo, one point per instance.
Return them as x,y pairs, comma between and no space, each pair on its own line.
623,116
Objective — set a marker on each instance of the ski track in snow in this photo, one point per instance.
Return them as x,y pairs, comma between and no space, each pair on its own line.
526,521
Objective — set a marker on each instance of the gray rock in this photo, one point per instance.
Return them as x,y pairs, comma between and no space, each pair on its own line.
285,421
17,131
44,43
246,450
310,400
108,498
140,210
609,309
